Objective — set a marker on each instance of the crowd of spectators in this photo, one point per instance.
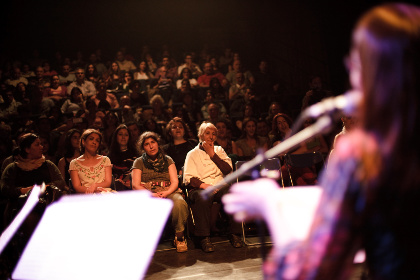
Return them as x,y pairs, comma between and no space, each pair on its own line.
60,99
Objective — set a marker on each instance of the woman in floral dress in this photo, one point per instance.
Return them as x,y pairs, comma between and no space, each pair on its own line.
90,173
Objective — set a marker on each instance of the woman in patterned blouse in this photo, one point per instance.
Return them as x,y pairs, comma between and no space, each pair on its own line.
90,173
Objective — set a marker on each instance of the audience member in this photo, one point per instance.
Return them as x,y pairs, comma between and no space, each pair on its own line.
16,78
209,100
124,64
135,132
186,74
122,153
65,76
170,73
204,80
91,172
189,64
26,71
218,90
156,172
249,141
40,79
71,151
100,67
281,128
316,92
88,88
92,74
103,99
75,103
224,137
48,72
206,165
19,177
9,107
114,77
150,63
179,143
236,68
225,60
143,72
56,92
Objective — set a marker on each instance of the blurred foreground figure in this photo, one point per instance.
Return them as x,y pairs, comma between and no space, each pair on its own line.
371,188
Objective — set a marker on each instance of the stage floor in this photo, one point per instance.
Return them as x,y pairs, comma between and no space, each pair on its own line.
225,262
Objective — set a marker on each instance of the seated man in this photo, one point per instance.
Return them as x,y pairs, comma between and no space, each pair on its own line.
167,70
87,87
195,69
204,80
105,96
65,76
16,78
124,64
206,165
236,68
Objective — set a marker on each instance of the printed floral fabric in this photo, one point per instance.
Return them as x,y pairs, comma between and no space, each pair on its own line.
90,174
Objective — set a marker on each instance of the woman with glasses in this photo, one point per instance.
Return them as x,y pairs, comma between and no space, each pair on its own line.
370,190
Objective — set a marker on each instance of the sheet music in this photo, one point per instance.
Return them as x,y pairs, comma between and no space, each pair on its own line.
295,208
110,236
30,203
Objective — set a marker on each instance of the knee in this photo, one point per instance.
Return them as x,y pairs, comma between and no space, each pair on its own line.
179,202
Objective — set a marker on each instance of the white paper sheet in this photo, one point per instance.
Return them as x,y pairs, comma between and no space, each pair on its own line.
110,236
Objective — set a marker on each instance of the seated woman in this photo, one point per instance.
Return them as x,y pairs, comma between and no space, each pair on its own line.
156,172
91,74
224,138
186,74
113,77
29,168
179,143
143,73
122,154
206,165
300,175
281,128
75,103
57,91
90,173
71,151
249,142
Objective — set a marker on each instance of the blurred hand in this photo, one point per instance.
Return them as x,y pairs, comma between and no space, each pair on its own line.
250,199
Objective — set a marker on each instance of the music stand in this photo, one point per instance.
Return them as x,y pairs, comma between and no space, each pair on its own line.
109,236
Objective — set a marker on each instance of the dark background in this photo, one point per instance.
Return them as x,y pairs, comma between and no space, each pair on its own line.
299,37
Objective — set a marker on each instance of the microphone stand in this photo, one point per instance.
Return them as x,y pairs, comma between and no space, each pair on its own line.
322,125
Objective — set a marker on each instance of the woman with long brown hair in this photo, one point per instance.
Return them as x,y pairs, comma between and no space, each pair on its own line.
370,190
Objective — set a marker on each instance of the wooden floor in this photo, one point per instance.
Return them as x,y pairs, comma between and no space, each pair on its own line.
225,262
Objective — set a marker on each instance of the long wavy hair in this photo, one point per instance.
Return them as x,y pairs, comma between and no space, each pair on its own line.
114,148
68,148
387,40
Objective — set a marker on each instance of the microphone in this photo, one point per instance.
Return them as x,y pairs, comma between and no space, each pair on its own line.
346,103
